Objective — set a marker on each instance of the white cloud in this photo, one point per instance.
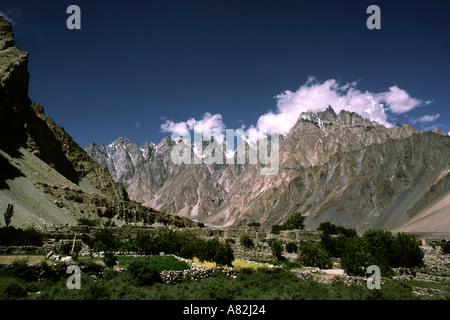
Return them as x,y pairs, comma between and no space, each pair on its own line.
399,100
209,124
314,95
426,118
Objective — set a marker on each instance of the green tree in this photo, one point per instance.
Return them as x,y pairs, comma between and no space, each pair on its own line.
215,251
406,252
314,255
291,247
277,249
295,221
144,244
8,214
327,228
106,240
246,241
333,238
224,255
254,224
276,228
353,259
445,245
378,246
110,259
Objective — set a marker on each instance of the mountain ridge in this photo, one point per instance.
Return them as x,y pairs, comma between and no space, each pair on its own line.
320,143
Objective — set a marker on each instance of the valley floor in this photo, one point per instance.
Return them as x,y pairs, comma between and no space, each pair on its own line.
183,279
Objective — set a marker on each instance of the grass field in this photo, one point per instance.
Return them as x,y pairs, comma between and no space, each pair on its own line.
30,259
257,281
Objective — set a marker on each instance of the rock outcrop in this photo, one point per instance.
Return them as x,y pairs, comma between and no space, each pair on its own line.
46,176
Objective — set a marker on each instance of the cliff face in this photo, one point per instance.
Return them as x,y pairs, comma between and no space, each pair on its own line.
46,176
14,77
24,123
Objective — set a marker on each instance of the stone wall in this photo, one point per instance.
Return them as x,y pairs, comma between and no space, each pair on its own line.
260,251
237,232
298,235
21,249
58,236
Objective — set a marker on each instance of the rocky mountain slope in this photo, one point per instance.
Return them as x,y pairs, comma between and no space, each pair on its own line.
46,176
333,167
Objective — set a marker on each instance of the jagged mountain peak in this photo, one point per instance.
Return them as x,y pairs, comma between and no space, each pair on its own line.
328,119
319,115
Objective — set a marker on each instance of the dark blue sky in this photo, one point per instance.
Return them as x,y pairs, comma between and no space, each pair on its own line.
136,64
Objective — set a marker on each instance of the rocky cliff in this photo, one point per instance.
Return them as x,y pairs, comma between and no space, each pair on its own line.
46,176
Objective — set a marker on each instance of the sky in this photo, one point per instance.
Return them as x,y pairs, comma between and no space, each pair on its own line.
144,69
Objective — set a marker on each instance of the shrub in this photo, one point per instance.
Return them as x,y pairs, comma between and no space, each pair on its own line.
144,243
32,237
314,255
295,221
105,240
215,251
327,228
54,272
254,224
246,241
291,247
276,228
110,259
90,267
187,245
230,241
224,255
88,222
11,236
160,263
21,270
445,245
277,249
143,273
12,289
